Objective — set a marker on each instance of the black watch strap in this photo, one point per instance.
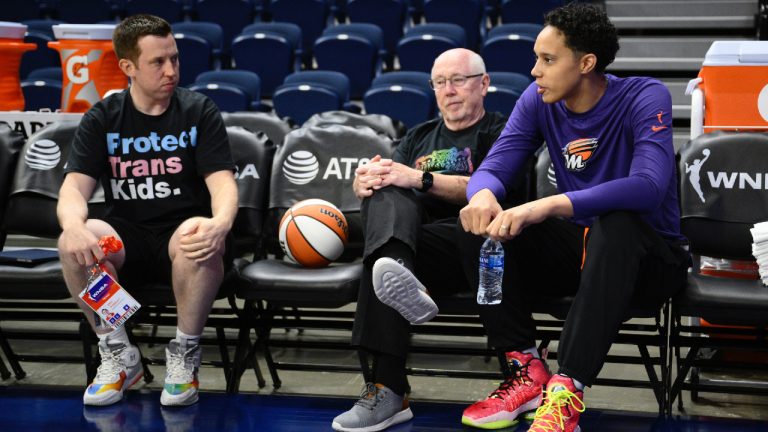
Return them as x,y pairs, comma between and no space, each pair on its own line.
426,181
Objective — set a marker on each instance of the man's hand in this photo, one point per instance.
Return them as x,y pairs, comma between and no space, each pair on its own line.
476,215
201,238
82,244
369,177
401,175
510,223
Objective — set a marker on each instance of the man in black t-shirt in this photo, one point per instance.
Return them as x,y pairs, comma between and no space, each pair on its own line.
162,156
410,207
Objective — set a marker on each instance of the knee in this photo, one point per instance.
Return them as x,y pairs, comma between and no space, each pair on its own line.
619,228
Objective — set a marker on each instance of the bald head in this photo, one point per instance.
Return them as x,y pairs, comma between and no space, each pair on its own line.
461,87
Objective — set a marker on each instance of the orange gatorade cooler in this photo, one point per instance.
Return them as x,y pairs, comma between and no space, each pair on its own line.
89,64
731,92
12,47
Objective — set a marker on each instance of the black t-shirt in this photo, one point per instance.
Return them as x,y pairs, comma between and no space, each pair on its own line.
432,147
152,167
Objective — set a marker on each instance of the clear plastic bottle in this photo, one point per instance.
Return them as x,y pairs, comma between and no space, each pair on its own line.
491,273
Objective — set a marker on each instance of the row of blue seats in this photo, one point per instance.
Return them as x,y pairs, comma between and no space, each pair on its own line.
274,50
403,96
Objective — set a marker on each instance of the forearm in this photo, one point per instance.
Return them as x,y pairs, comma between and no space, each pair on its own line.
72,209
224,202
450,188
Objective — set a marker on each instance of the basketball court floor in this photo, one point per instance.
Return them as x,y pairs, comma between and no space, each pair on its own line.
49,398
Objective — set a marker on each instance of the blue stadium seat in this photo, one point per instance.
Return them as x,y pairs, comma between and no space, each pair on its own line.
247,81
509,47
231,15
211,32
42,57
421,44
310,15
41,93
195,56
169,10
352,49
275,43
228,97
52,73
19,10
310,92
416,10
505,89
403,96
469,14
41,25
389,15
531,11
85,11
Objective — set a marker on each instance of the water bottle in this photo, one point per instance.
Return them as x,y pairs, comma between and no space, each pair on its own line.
491,273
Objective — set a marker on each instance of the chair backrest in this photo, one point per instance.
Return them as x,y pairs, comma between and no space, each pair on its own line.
231,15
336,81
275,59
530,11
44,26
421,45
256,122
352,49
42,57
389,15
469,14
723,192
510,52
252,153
380,123
310,15
52,73
320,162
404,96
504,91
220,81
41,93
511,80
289,31
195,56
36,183
84,11
545,180
10,146
169,10
516,28
306,93
210,31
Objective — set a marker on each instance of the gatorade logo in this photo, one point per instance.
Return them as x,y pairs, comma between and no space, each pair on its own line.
77,69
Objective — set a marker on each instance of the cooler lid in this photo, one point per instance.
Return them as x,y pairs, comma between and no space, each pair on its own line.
84,31
12,30
737,53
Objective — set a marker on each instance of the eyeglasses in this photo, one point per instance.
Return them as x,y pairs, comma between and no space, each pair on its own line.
456,81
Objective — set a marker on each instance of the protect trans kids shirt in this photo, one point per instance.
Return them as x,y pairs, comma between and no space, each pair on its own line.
152,167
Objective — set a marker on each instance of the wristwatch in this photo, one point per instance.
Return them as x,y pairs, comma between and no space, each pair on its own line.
426,181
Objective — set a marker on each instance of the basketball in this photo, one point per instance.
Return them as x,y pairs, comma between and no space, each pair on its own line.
313,233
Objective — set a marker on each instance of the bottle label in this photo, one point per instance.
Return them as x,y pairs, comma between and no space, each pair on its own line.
492,261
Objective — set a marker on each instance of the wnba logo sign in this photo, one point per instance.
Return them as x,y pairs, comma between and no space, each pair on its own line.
301,167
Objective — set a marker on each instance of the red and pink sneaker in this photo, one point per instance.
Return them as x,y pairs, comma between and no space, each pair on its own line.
561,408
518,394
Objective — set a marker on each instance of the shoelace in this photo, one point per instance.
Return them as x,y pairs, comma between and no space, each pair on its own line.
369,397
549,416
177,370
111,365
520,378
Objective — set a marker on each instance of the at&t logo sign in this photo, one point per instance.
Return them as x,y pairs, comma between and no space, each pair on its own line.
301,167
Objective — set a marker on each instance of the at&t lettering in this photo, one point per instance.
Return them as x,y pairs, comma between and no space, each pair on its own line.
343,168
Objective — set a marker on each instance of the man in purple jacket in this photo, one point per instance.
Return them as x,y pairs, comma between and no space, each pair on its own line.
610,236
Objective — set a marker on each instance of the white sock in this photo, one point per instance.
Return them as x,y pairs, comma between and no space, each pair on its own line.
187,340
533,351
116,335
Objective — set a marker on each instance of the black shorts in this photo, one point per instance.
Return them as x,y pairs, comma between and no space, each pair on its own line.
146,251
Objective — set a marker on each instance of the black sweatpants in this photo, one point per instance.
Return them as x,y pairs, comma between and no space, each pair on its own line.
396,213
625,262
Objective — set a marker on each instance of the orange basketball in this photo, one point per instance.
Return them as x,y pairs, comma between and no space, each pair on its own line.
313,233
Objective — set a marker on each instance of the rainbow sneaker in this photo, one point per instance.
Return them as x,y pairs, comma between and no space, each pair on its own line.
518,394
561,408
181,383
120,368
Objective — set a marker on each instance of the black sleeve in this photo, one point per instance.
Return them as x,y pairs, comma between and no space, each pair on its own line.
88,154
213,152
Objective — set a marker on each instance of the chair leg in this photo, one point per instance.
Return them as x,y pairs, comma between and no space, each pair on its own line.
11,356
4,372
221,339
241,353
148,376
91,362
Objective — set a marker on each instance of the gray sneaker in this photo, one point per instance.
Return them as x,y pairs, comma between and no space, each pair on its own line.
120,369
377,409
399,289
181,382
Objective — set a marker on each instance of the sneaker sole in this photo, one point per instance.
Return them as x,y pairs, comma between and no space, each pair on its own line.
400,417
399,289
504,419
178,401
120,394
